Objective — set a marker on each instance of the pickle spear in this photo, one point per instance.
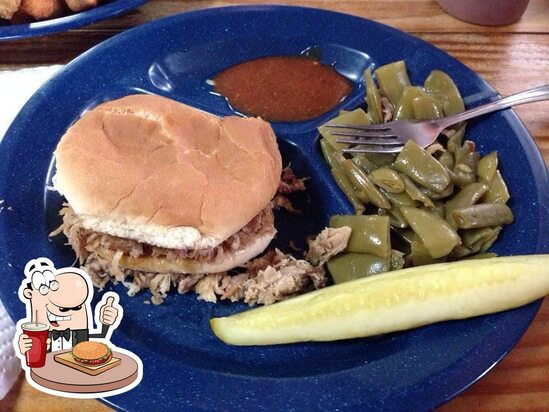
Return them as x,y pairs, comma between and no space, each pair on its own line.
393,301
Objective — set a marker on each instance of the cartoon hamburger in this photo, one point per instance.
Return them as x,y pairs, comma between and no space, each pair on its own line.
91,353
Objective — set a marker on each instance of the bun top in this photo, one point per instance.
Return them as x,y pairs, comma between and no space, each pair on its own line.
90,350
151,169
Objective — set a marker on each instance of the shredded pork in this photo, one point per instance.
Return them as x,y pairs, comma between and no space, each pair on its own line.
272,277
86,242
277,276
289,183
267,279
387,108
327,244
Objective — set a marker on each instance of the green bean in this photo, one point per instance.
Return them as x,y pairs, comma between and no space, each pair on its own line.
437,196
443,88
328,152
479,240
346,187
446,159
416,163
461,178
487,167
414,192
370,233
463,151
381,159
397,260
482,256
387,179
361,182
427,108
363,162
482,215
459,252
489,242
420,255
425,198
436,234
396,218
437,209
350,266
400,199
497,193
373,99
392,79
455,139
467,196
404,109
362,196
465,172
357,117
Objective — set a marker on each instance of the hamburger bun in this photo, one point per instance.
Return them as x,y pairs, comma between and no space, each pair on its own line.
91,353
230,260
157,171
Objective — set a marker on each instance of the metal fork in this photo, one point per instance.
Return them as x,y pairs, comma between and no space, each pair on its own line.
392,136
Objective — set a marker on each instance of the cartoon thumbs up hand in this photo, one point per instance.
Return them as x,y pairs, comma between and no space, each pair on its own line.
108,312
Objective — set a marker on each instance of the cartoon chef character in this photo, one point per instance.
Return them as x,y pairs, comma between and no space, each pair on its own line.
61,299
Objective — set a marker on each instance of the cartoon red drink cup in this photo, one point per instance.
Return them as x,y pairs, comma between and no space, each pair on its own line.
38,332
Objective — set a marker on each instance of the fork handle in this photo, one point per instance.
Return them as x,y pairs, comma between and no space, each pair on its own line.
533,95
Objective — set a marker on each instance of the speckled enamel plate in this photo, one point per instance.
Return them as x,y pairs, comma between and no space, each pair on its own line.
185,366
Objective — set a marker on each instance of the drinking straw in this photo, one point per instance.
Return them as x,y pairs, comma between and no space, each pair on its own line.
36,317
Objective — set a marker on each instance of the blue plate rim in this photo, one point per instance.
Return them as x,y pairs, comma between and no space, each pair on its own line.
533,153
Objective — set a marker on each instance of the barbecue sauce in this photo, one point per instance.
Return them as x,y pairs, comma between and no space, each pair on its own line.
282,88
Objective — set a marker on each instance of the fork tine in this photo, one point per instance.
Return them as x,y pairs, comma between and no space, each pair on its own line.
382,126
367,133
373,142
373,149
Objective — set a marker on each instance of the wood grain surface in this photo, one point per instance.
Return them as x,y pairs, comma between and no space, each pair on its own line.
511,58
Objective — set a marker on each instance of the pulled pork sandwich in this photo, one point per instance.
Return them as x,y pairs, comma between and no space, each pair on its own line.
91,353
156,187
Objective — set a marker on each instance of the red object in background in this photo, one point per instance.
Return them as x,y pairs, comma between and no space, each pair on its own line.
485,12
38,332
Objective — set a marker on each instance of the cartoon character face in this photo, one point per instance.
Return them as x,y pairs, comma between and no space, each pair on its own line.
59,301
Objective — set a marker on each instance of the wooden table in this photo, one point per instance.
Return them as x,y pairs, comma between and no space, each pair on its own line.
511,58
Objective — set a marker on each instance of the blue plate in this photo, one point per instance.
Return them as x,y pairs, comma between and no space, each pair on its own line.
106,11
185,366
